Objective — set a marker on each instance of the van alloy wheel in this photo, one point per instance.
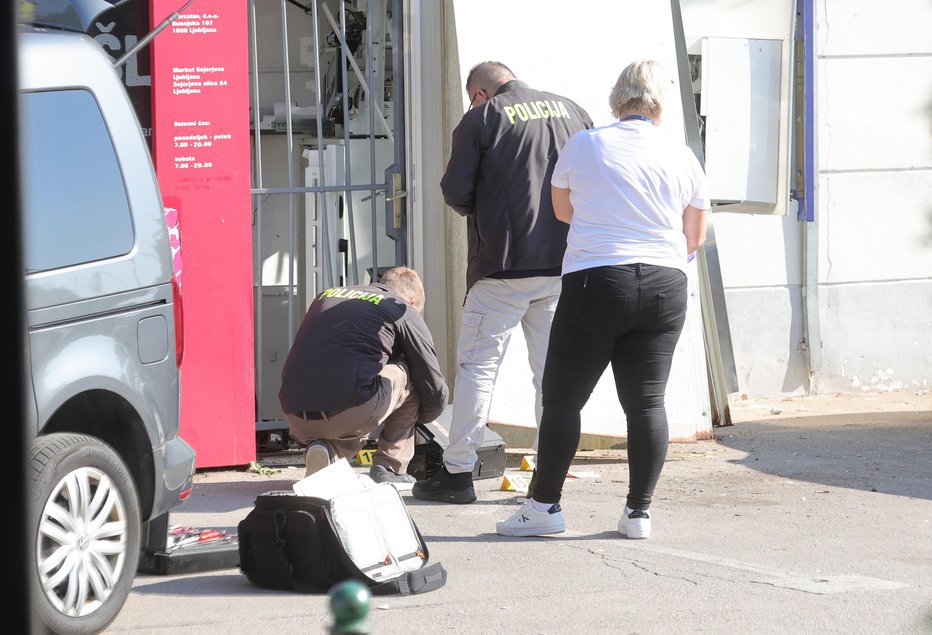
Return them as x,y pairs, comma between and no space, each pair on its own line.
87,533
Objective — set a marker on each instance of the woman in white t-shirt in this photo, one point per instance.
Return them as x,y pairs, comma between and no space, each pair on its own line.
636,203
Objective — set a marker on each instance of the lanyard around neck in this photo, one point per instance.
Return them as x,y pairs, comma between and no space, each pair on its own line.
641,117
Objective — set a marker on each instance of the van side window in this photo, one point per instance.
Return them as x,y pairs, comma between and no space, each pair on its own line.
75,206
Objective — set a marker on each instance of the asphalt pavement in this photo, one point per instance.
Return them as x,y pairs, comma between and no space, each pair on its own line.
808,515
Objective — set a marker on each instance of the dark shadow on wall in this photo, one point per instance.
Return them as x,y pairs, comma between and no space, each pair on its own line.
887,452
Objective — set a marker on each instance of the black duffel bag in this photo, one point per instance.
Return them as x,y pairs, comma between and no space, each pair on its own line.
307,544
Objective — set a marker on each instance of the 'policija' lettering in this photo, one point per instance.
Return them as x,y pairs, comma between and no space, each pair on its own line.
537,110
351,294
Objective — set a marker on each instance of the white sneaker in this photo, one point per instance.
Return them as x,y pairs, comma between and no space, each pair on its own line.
634,523
529,522
317,456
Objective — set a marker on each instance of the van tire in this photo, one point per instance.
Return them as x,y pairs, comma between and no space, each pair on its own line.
84,533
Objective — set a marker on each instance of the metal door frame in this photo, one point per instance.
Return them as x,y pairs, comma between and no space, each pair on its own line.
391,189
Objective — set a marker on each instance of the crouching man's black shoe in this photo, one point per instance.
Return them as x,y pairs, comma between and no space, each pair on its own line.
446,488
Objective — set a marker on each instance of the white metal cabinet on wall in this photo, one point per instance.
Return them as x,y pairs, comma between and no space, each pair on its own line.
742,62
741,104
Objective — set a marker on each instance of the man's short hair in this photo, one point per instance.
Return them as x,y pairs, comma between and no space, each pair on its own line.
407,283
488,75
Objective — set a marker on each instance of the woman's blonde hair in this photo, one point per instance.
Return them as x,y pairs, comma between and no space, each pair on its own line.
640,88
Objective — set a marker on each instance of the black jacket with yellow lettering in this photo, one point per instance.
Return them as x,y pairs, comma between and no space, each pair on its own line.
346,338
498,177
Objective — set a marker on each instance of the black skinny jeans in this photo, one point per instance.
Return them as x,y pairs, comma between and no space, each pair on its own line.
629,316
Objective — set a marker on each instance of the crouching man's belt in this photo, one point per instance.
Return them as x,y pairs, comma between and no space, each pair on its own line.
318,415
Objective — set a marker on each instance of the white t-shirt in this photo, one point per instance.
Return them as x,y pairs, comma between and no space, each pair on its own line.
629,185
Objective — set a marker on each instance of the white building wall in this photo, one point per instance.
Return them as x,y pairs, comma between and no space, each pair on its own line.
579,54
873,229
760,255
875,194
761,264
873,213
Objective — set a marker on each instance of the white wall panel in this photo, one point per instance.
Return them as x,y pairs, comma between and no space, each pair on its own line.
874,113
876,336
764,19
687,397
574,50
875,226
758,250
869,27
766,335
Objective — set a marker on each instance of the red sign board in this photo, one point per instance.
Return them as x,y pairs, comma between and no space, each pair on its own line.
200,143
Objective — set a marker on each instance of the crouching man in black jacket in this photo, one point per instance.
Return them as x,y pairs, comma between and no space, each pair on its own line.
362,357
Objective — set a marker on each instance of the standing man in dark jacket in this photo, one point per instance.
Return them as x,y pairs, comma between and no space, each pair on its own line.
362,357
498,177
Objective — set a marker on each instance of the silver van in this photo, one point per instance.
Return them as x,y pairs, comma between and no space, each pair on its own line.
104,341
